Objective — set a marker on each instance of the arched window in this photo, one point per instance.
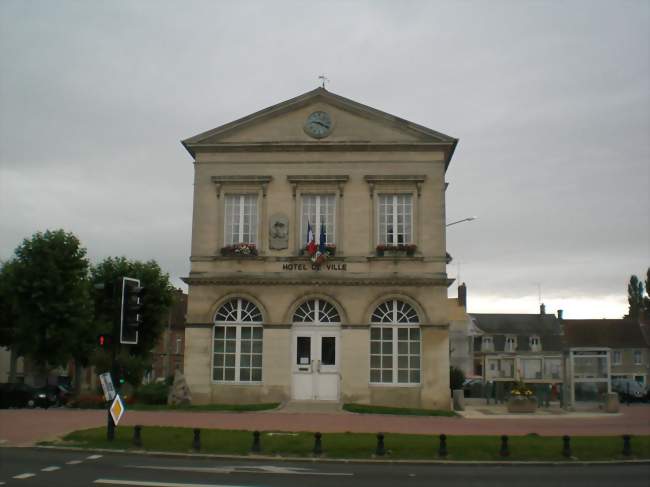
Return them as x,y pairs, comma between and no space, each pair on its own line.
237,344
316,311
395,344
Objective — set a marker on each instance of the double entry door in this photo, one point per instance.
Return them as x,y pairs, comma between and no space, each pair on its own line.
315,359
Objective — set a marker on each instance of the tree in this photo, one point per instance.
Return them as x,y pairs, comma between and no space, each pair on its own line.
158,297
45,287
7,317
634,298
646,298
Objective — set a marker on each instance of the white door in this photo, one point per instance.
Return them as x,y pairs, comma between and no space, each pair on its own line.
316,364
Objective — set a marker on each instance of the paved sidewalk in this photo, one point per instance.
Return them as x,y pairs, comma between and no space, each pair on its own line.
24,427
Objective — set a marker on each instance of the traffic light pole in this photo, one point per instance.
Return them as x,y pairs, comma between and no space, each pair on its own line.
110,426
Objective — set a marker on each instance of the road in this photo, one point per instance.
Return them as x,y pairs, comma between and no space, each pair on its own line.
30,467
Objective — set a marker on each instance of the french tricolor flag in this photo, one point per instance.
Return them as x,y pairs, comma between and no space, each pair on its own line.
311,241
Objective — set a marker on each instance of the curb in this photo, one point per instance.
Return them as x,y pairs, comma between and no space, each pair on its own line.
347,460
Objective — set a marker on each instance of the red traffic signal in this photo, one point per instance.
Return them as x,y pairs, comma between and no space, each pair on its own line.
104,341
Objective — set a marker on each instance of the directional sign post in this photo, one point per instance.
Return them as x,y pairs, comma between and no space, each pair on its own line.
117,409
107,386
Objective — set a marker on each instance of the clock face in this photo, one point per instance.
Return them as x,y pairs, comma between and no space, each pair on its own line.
318,125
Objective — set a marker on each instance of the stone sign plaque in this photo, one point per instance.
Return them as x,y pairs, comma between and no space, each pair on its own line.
278,232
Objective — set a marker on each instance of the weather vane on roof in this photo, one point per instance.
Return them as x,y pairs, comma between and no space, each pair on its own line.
323,80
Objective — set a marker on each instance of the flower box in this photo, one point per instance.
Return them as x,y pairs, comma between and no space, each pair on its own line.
522,404
408,249
239,250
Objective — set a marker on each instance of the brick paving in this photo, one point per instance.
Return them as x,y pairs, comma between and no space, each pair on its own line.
23,427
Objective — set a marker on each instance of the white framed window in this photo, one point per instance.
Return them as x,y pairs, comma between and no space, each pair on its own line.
616,357
317,311
511,344
237,342
487,344
240,219
535,343
319,210
395,344
531,368
552,368
637,357
395,219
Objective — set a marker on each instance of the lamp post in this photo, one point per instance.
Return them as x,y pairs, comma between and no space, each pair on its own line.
468,219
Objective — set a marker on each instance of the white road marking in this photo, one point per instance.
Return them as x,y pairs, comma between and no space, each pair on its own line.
24,476
94,457
266,469
50,469
142,483
73,462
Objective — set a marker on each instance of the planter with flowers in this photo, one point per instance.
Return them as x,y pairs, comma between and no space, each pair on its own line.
385,249
521,399
316,256
239,250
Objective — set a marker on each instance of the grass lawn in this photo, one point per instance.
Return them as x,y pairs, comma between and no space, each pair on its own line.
205,407
362,446
365,409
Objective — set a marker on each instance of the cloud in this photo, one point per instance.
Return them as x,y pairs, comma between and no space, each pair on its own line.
550,104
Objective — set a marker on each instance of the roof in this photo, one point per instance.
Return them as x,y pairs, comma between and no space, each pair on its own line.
518,324
604,333
547,327
430,138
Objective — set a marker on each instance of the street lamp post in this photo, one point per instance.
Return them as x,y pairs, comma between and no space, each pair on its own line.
468,219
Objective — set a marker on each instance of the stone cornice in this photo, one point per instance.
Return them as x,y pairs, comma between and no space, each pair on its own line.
323,146
338,180
338,258
262,181
315,279
373,180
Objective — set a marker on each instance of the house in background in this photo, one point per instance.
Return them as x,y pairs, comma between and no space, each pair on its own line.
626,342
513,347
462,331
168,353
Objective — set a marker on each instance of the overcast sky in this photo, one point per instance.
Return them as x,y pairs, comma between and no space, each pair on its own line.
550,101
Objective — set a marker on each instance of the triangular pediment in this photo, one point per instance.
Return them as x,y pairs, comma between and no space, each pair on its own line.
352,124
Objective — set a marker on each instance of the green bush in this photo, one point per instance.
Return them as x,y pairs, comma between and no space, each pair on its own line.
155,393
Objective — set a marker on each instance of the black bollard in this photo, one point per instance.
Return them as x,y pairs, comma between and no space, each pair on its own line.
318,446
566,446
627,448
381,451
504,452
442,449
137,435
256,448
196,444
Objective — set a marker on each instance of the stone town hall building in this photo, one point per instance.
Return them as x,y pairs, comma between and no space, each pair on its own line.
358,316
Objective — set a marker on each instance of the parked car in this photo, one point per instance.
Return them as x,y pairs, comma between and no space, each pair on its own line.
22,395
629,390
55,395
473,387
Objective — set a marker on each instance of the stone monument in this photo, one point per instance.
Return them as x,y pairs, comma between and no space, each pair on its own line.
278,232
179,395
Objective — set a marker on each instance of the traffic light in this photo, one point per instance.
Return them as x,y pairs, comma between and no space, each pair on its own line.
131,315
104,341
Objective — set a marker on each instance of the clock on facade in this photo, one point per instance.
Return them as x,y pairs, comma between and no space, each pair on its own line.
318,125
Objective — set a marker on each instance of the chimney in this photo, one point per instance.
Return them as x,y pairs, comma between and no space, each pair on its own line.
559,314
542,309
462,295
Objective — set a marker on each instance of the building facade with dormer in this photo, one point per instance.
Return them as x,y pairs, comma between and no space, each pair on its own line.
318,258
